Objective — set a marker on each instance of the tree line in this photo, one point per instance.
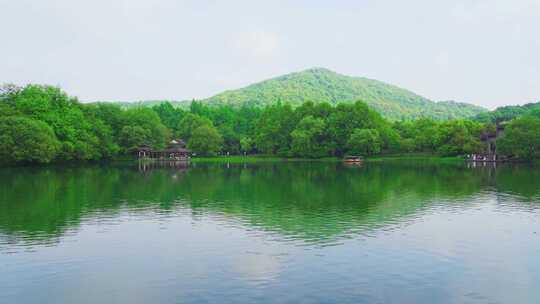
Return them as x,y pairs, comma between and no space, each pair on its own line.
40,124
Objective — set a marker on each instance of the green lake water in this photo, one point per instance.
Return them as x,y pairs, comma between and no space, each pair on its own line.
273,232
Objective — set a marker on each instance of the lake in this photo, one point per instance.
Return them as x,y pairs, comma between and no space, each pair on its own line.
272,232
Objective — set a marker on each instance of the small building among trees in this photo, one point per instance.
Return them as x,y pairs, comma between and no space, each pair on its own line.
489,139
175,151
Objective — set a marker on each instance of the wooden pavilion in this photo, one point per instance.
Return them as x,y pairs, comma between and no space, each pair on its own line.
175,151
489,139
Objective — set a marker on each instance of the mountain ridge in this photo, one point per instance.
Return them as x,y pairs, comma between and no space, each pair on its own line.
507,113
323,85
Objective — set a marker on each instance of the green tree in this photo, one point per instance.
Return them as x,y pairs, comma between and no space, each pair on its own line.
231,142
169,115
459,137
407,145
65,116
521,138
189,123
426,132
110,114
149,121
132,137
205,141
246,144
26,140
364,142
308,138
346,118
274,128
102,127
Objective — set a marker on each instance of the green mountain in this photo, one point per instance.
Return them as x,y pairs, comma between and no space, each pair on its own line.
323,85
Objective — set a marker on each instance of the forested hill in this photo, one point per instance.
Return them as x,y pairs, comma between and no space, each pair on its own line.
323,85
508,113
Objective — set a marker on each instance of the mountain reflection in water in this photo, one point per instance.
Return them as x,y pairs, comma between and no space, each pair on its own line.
314,202
411,232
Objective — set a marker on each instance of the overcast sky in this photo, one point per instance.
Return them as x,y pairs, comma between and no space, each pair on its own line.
486,52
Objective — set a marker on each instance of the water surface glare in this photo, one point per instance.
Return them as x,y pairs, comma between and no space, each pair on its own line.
276,232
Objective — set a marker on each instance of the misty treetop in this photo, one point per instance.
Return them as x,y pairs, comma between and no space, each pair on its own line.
40,124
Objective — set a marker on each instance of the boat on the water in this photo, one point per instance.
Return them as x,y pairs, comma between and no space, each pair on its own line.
353,159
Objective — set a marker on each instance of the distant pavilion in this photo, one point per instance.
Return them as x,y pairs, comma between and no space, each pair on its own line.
489,139
175,151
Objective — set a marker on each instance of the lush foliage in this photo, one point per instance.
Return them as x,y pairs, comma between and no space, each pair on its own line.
309,138
364,142
206,141
454,137
522,138
64,129
508,113
43,124
26,139
81,136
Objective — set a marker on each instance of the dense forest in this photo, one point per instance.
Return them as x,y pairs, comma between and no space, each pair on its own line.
42,124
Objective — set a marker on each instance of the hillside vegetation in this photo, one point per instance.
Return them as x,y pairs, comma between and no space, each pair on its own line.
41,124
322,85
508,113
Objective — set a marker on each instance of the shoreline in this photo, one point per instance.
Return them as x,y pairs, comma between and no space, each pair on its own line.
254,158
263,158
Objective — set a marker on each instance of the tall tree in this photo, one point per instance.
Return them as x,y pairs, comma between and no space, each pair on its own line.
308,138
459,137
189,123
246,144
205,141
132,137
169,116
274,129
26,140
521,138
149,121
364,142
